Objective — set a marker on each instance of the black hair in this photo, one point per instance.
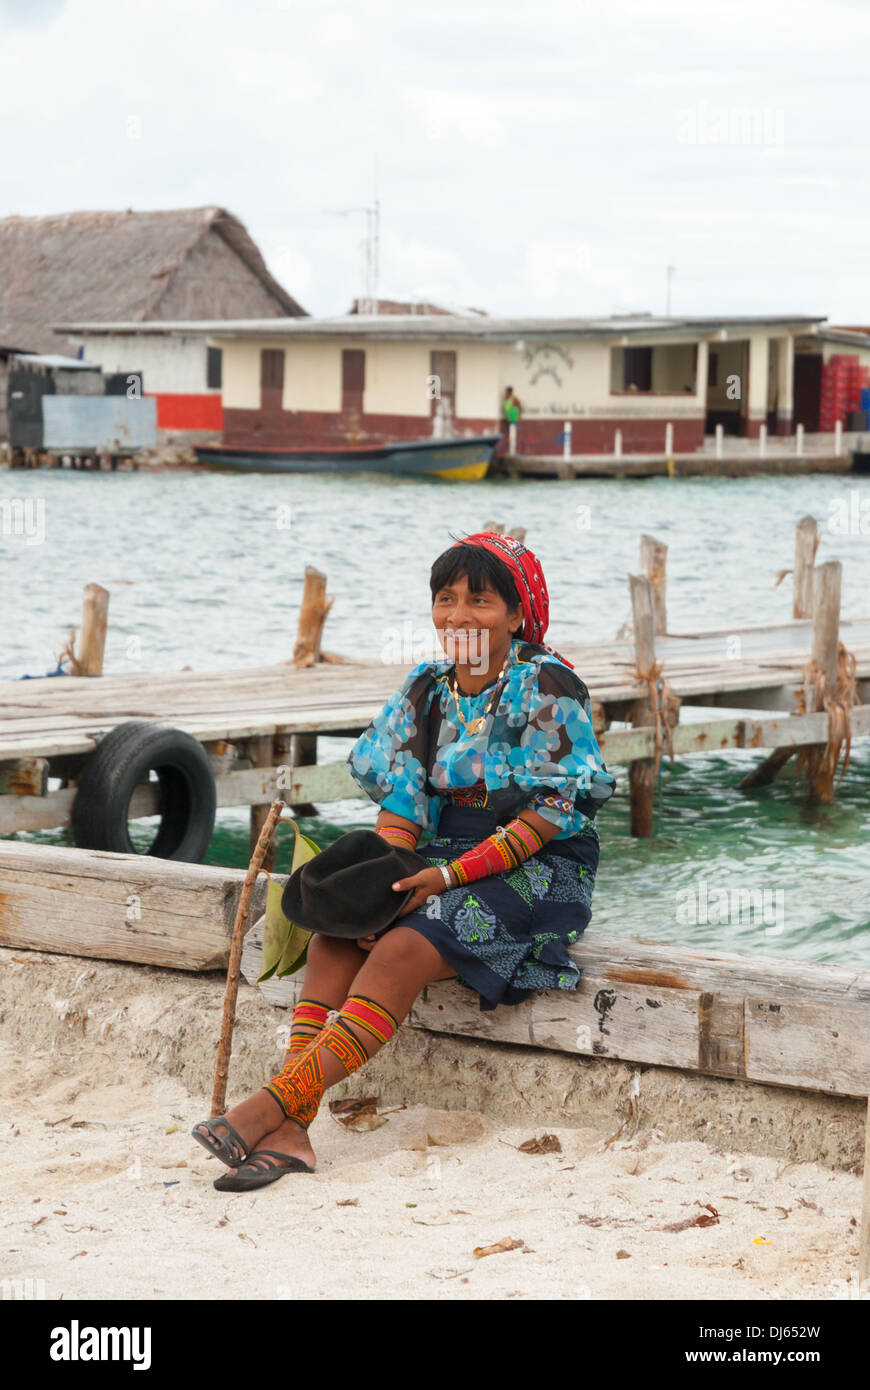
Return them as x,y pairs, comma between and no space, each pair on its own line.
481,567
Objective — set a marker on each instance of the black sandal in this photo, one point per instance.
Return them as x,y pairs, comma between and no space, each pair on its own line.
231,1148
259,1173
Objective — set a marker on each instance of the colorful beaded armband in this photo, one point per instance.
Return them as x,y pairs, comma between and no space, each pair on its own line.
504,850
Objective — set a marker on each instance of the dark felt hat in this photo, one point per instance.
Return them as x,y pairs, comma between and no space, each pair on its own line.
346,890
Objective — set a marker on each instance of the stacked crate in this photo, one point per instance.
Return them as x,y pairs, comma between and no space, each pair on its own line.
842,380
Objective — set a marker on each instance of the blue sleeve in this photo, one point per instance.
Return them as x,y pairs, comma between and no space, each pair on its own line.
388,760
558,760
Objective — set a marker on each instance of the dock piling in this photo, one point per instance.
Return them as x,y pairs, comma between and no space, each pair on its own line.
806,543
641,772
312,615
821,683
88,661
653,566
261,755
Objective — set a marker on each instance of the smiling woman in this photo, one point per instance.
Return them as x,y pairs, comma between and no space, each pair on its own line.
492,752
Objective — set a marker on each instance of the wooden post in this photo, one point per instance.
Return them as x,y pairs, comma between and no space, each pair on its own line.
303,753
92,638
827,583
641,776
260,753
806,543
767,769
864,1236
225,1044
653,566
312,615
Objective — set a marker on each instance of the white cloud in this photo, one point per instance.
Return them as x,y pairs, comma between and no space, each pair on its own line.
526,157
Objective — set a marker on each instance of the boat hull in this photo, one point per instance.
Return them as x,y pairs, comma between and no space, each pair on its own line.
459,459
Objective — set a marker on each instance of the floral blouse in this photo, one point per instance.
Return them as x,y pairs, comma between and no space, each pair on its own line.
537,748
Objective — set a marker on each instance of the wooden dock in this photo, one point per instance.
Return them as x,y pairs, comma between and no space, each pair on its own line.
697,465
260,726
48,726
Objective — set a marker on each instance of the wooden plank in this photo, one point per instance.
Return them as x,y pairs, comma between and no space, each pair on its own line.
118,906
808,1029
803,1043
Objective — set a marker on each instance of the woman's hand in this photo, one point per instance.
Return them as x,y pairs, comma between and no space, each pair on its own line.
427,883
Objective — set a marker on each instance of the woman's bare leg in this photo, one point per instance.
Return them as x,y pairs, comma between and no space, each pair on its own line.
399,965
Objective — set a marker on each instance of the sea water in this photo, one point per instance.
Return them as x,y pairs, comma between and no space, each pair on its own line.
206,570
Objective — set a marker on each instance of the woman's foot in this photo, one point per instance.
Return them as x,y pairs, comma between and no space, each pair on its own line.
252,1119
289,1138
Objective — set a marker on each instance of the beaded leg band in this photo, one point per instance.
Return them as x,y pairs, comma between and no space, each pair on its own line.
309,1017
299,1086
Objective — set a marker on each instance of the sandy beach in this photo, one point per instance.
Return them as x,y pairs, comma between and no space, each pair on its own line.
105,1195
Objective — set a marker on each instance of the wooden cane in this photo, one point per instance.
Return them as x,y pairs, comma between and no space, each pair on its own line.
225,1046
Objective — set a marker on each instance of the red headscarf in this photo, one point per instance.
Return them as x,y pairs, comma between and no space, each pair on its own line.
529,579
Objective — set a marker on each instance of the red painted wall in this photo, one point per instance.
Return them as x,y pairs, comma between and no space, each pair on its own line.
287,429
197,412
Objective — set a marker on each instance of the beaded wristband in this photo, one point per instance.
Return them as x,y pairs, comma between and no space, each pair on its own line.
399,835
507,848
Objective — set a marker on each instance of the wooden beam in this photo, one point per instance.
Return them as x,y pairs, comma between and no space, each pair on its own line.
118,906
757,1018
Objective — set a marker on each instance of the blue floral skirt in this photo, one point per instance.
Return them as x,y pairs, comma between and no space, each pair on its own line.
507,935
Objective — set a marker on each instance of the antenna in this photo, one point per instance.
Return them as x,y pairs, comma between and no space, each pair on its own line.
669,273
370,252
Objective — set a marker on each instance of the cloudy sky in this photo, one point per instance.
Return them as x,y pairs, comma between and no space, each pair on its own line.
528,159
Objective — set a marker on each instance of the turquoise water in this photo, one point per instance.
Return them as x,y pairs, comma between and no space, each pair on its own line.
207,571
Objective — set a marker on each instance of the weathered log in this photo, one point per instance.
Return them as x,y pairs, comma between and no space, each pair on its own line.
759,1018
117,906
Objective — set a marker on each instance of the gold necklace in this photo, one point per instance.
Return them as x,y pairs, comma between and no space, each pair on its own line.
474,726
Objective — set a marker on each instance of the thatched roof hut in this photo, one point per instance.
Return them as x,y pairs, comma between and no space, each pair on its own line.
190,263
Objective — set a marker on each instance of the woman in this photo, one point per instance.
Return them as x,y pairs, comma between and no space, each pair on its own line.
493,751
